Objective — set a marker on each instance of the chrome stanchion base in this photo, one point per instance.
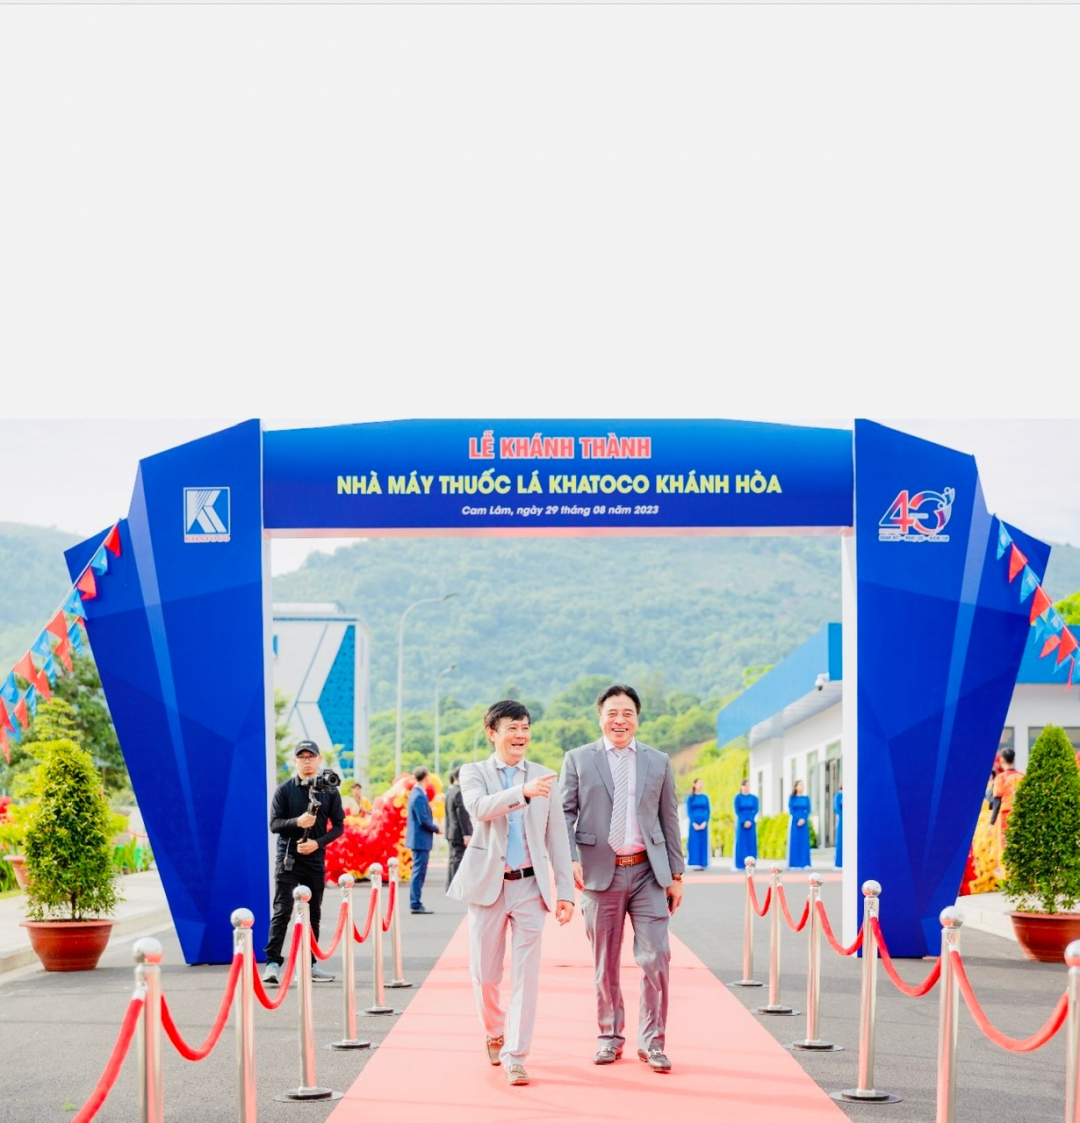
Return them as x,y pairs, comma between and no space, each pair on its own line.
380,1010
348,1045
816,1046
746,983
784,1011
865,1095
398,983
315,1093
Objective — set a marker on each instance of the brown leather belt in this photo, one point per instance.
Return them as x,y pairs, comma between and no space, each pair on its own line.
517,875
631,859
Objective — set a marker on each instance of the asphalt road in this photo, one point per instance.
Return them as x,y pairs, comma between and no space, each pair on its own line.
57,1030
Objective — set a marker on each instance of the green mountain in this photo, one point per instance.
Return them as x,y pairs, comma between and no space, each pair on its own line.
531,616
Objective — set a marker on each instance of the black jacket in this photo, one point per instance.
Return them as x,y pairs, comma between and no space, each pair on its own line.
289,803
458,823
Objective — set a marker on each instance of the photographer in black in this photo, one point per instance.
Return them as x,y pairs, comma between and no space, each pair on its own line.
306,815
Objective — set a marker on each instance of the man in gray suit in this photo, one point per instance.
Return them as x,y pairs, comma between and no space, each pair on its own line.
518,843
623,821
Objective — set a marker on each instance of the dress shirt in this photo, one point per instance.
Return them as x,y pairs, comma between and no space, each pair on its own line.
634,842
513,775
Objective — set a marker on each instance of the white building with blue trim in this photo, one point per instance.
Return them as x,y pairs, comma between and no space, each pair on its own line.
793,721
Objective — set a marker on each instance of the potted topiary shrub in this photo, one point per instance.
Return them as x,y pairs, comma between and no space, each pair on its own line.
68,849
1041,855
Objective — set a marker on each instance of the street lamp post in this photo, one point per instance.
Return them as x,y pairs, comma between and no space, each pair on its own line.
438,679
401,671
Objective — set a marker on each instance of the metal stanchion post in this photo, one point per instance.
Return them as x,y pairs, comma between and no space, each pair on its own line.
350,1040
866,1092
748,979
308,1089
813,977
242,920
775,1006
378,1005
148,955
1072,1036
395,926
952,919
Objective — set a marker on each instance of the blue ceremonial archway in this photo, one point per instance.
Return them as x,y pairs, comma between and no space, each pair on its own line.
933,633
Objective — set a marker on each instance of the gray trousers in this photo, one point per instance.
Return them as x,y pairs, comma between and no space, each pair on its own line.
634,891
521,909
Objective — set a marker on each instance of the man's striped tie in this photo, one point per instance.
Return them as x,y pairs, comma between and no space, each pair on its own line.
619,774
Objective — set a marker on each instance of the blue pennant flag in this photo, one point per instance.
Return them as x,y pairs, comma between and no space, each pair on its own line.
1004,541
73,605
1042,629
75,635
50,668
1028,584
41,646
16,733
100,561
31,699
10,691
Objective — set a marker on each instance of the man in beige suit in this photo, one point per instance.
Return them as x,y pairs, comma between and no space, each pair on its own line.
518,843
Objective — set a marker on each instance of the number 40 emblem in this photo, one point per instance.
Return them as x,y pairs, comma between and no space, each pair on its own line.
925,513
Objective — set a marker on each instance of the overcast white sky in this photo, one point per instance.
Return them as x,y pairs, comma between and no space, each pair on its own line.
356,212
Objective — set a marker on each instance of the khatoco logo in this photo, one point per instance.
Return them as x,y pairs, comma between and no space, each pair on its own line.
917,518
206,514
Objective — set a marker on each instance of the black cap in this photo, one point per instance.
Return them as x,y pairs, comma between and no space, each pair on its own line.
306,747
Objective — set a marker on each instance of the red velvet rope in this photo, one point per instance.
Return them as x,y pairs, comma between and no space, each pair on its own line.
787,915
753,897
182,1047
886,961
1012,1044
283,988
112,1069
317,951
367,923
833,942
391,903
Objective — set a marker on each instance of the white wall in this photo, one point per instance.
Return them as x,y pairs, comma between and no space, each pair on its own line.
1035,705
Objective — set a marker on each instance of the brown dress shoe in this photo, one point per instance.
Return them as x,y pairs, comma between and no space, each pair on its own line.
494,1044
606,1055
655,1059
516,1074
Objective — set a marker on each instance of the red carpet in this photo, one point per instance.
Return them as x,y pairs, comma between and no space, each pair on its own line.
725,1064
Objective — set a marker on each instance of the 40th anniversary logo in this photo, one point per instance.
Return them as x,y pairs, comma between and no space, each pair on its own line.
918,517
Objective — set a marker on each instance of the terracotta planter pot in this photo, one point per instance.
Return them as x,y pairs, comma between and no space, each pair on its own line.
18,864
68,945
1044,936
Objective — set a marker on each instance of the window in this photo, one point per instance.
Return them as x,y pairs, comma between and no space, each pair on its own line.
1071,731
832,749
1007,740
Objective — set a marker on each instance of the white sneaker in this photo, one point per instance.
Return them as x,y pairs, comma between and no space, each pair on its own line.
272,974
318,975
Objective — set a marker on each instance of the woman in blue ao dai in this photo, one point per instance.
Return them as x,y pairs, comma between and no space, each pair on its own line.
838,807
799,839
746,810
697,812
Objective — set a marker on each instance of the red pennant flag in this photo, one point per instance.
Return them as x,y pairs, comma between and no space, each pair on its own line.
1049,646
1040,602
1017,561
25,667
63,652
112,542
5,721
43,687
58,626
87,585
1068,645
21,714
4,745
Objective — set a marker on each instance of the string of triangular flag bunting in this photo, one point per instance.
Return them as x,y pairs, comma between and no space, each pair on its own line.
1043,617
60,637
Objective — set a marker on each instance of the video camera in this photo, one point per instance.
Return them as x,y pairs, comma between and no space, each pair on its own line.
325,780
